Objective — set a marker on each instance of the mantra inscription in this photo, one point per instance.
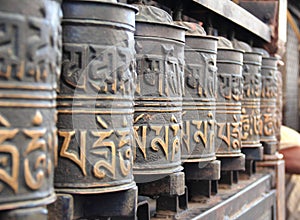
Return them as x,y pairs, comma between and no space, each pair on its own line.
230,133
30,58
199,100
195,133
159,75
95,100
230,87
251,122
228,113
158,97
97,69
251,118
110,147
228,105
268,100
165,139
35,160
34,39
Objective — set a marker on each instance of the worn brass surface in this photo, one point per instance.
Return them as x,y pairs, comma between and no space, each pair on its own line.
158,97
250,117
268,104
30,57
95,101
199,99
228,106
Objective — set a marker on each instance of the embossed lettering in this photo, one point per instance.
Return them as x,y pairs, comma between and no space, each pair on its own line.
79,160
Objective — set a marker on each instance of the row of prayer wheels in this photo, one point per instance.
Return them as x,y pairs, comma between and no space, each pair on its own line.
139,98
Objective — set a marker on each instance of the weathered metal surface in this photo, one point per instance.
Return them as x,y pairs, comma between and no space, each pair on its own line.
170,185
168,206
62,208
250,117
268,104
279,106
158,95
199,99
237,15
95,100
202,171
113,205
250,199
30,54
36,213
228,107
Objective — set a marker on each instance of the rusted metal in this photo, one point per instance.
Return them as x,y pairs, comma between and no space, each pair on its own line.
158,96
95,106
268,104
30,54
228,109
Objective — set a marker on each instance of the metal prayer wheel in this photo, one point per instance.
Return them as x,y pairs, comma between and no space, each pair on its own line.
95,99
199,99
250,117
228,105
279,106
268,104
158,95
29,65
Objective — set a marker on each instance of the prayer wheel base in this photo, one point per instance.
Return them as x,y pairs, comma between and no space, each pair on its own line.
170,185
232,163
229,177
253,153
168,206
120,204
62,208
270,148
36,213
201,190
202,170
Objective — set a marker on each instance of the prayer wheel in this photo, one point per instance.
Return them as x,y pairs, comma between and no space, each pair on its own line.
30,54
268,104
279,106
158,96
250,117
199,97
95,100
228,108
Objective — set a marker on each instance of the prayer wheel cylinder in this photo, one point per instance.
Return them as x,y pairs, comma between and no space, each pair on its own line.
30,54
250,117
158,97
95,101
228,105
199,99
279,106
268,104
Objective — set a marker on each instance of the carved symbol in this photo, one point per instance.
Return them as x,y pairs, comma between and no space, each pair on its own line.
141,143
10,179
41,162
138,118
101,145
79,160
102,122
158,141
38,118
